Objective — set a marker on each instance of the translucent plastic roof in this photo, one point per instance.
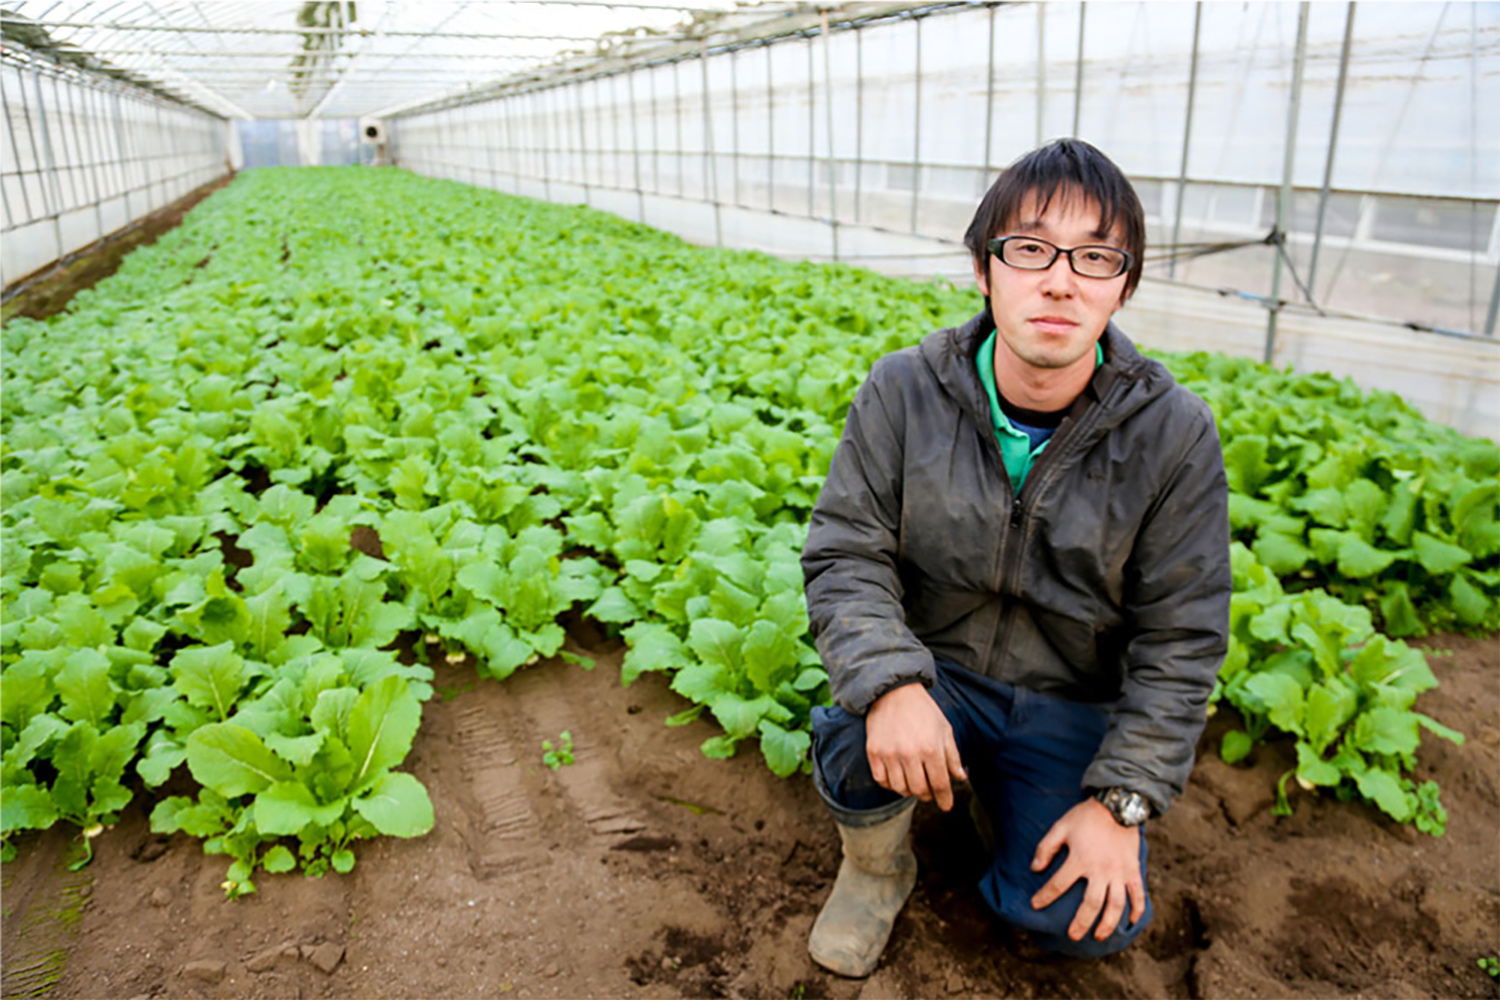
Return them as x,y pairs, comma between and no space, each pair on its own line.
277,59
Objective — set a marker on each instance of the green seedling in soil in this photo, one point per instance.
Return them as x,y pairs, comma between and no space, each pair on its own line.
557,756
1491,964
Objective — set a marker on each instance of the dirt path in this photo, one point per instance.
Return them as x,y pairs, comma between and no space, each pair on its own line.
645,870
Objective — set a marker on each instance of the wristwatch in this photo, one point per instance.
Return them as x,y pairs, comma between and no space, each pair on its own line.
1127,807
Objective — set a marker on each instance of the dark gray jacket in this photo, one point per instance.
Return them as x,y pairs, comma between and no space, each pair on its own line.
1107,580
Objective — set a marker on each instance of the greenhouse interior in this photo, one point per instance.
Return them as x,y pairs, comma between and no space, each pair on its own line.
360,354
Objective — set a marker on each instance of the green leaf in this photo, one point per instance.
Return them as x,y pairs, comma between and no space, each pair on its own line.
286,807
343,861
26,807
397,805
278,860
84,685
1281,554
1364,502
1325,505
716,642
232,760
700,682
1328,706
381,727
1468,601
1438,729
1398,611
1245,462
686,716
298,750
1436,556
613,607
1384,789
1358,559
1313,768
652,647
784,750
770,655
1386,730
209,676
1236,746
719,747
1282,697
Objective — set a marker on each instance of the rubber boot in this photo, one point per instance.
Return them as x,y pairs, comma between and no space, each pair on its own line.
876,876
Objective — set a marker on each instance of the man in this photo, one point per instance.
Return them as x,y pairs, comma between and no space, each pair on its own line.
1018,576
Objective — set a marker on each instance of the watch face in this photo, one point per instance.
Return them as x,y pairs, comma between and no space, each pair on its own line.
1133,809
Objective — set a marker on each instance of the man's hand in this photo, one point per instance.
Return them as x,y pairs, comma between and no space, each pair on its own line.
910,746
1104,853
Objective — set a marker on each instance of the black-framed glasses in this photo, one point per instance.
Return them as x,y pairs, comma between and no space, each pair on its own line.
1031,254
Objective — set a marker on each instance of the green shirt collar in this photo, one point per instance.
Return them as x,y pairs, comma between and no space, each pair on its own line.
1015,447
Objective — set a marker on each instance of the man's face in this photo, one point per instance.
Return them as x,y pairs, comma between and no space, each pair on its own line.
1050,319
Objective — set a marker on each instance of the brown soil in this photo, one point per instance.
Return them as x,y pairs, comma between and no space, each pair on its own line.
94,263
647,870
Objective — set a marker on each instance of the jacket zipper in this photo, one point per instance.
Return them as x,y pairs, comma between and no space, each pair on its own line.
1011,564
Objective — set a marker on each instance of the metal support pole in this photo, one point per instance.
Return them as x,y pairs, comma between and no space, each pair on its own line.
812,105
712,177
91,159
1041,70
1489,319
10,130
916,152
1083,10
833,204
989,109
1187,135
41,115
770,132
540,121
583,143
734,120
635,147
614,131
859,122
1333,142
655,139
1284,199
124,169
681,146
487,136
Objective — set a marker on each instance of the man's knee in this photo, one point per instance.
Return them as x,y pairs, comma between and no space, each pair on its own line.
841,768
1048,927
1091,947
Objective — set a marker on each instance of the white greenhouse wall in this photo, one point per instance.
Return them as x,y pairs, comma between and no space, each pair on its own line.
873,145
82,157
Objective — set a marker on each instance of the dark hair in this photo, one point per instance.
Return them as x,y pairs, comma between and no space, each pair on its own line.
1063,166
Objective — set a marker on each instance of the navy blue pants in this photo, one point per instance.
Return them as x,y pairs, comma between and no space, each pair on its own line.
1025,754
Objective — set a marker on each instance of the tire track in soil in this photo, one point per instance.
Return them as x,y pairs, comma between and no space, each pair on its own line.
43,907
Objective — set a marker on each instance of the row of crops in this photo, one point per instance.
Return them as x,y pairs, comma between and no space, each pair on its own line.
339,415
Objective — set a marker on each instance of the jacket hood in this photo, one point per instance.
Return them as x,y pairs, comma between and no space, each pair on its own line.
1129,380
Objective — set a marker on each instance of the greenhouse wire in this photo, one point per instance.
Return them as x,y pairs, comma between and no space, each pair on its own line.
989,100
833,198
1289,153
709,160
916,154
812,152
1187,132
1395,129
1041,71
10,130
41,114
1333,145
1083,10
